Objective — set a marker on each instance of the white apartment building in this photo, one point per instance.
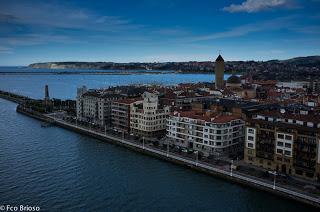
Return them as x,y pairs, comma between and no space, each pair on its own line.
95,106
219,135
147,118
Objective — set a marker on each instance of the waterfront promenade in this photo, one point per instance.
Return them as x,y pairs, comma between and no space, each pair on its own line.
225,171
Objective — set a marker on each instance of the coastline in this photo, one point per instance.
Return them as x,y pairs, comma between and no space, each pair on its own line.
87,73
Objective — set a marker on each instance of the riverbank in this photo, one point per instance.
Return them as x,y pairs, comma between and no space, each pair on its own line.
177,159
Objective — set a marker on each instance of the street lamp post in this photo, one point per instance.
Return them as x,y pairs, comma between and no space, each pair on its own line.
167,148
197,158
143,142
274,179
231,168
274,173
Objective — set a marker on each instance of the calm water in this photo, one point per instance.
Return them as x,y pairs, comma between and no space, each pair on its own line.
59,170
65,86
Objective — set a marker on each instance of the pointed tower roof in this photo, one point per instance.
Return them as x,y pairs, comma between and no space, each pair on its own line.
219,58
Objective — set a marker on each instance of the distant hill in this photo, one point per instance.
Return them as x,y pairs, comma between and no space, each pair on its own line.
304,61
299,68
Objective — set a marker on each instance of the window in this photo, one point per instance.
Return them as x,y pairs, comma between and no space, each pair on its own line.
279,151
250,145
281,136
287,152
279,143
250,131
288,137
250,152
287,145
250,138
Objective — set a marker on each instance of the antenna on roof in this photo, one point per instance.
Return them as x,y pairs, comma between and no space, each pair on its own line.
219,51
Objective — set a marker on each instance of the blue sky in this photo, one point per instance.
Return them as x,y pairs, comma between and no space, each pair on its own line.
157,30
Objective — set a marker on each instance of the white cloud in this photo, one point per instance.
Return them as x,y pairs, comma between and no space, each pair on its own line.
273,24
252,6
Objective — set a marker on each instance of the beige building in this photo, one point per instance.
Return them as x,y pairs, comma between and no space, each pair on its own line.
285,142
148,118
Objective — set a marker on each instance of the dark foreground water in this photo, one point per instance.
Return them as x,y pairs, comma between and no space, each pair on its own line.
59,170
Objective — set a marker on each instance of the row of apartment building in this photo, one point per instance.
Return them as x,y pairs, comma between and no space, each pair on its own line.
281,138
148,116
285,141
142,116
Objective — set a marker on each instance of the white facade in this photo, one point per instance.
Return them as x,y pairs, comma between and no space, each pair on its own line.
251,137
146,118
284,144
210,137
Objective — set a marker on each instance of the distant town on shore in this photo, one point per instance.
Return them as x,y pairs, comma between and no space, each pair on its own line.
299,68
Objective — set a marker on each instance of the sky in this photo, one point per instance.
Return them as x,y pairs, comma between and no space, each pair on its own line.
156,30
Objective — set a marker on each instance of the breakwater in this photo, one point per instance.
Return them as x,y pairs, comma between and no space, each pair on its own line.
13,97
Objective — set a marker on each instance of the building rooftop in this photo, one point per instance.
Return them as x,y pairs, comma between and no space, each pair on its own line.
310,117
214,118
128,101
234,79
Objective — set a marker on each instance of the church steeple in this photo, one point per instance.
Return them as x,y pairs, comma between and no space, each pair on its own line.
219,58
219,72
